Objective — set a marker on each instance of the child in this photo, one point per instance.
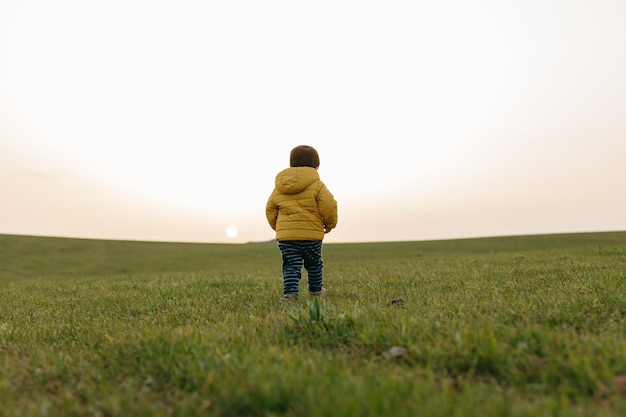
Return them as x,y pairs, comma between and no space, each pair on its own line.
301,210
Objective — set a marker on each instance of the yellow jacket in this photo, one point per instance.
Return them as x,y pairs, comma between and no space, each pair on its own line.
300,207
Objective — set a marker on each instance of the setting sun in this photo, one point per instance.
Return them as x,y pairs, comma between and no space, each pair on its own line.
232,232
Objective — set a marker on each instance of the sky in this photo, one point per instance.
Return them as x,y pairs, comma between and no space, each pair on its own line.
168,120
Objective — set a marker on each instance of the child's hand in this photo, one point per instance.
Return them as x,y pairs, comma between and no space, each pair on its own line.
327,230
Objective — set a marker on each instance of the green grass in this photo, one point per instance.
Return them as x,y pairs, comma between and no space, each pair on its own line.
514,326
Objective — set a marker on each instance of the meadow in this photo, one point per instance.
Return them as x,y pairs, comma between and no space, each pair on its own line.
510,326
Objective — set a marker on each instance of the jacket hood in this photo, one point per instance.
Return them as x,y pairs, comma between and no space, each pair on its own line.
295,179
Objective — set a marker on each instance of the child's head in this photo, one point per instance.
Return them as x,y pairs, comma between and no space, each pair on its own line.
304,156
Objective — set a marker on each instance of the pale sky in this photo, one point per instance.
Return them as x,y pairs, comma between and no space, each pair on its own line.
168,120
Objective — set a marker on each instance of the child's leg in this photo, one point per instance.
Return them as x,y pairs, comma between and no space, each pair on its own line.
292,266
312,255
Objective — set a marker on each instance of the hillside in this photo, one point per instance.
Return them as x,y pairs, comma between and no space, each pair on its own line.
48,257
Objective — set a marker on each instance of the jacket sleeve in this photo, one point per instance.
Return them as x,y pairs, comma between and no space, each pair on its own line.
327,207
271,211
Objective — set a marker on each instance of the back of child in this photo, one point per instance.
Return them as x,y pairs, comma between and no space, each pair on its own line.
301,210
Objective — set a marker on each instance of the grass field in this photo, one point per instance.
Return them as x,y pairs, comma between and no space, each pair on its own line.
514,326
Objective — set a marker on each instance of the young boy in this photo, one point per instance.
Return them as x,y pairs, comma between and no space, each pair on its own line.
301,210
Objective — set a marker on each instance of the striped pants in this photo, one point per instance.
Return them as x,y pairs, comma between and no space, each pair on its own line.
298,253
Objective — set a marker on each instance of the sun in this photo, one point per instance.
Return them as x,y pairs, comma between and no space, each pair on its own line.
232,232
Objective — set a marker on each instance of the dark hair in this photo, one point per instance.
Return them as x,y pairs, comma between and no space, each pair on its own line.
304,156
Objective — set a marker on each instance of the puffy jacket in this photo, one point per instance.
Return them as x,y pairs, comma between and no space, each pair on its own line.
300,207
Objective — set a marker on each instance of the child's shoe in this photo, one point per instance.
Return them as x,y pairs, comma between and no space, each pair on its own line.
290,297
321,293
